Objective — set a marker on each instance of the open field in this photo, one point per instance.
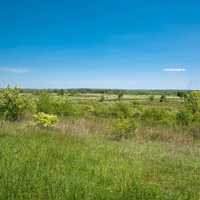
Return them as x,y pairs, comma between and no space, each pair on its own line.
59,146
40,164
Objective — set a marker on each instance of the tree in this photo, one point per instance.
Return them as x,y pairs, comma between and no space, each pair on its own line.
61,92
120,95
181,94
13,104
152,98
163,98
192,101
45,103
102,99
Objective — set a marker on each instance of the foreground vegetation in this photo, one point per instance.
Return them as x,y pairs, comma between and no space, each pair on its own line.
41,164
55,146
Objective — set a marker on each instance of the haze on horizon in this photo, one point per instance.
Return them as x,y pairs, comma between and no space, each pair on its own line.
125,44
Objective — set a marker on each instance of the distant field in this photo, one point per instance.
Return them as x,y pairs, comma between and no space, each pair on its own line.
95,96
172,101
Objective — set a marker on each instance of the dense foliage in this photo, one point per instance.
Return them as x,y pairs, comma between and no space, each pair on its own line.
13,104
45,120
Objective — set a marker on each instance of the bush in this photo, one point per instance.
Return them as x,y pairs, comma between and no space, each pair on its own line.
181,94
122,110
163,98
102,109
156,116
45,120
151,98
102,99
184,118
59,105
116,110
192,102
13,104
120,95
65,107
44,103
123,129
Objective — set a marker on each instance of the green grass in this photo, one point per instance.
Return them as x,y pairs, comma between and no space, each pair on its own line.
42,165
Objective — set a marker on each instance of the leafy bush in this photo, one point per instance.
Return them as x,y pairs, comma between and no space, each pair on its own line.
45,120
156,116
163,98
65,107
45,103
181,94
152,98
102,99
123,129
122,110
59,105
184,118
120,95
102,109
13,104
192,102
116,110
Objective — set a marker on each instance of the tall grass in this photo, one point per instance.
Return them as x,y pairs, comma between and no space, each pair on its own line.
40,164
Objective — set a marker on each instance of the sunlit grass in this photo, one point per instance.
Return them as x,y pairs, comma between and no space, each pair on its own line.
38,164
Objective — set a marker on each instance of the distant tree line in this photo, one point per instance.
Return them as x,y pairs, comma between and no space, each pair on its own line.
179,93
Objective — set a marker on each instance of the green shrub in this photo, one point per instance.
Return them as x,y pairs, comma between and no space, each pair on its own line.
59,105
65,107
120,95
151,98
45,120
102,110
13,104
181,94
116,110
156,116
123,129
184,118
122,110
102,99
163,98
192,102
45,103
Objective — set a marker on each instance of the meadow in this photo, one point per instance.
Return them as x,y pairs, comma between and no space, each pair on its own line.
99,145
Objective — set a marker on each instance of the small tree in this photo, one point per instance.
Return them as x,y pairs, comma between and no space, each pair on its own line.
45,103
120,95
123,129
192,102
184,118
181,94
13,104
163,98
61,92
151,98
102,99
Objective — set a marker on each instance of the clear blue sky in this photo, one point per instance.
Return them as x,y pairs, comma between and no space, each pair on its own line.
100,44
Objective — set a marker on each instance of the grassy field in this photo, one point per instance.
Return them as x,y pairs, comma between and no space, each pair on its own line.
74,146
41,164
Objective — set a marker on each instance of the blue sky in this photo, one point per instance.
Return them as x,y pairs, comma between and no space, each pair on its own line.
100,44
